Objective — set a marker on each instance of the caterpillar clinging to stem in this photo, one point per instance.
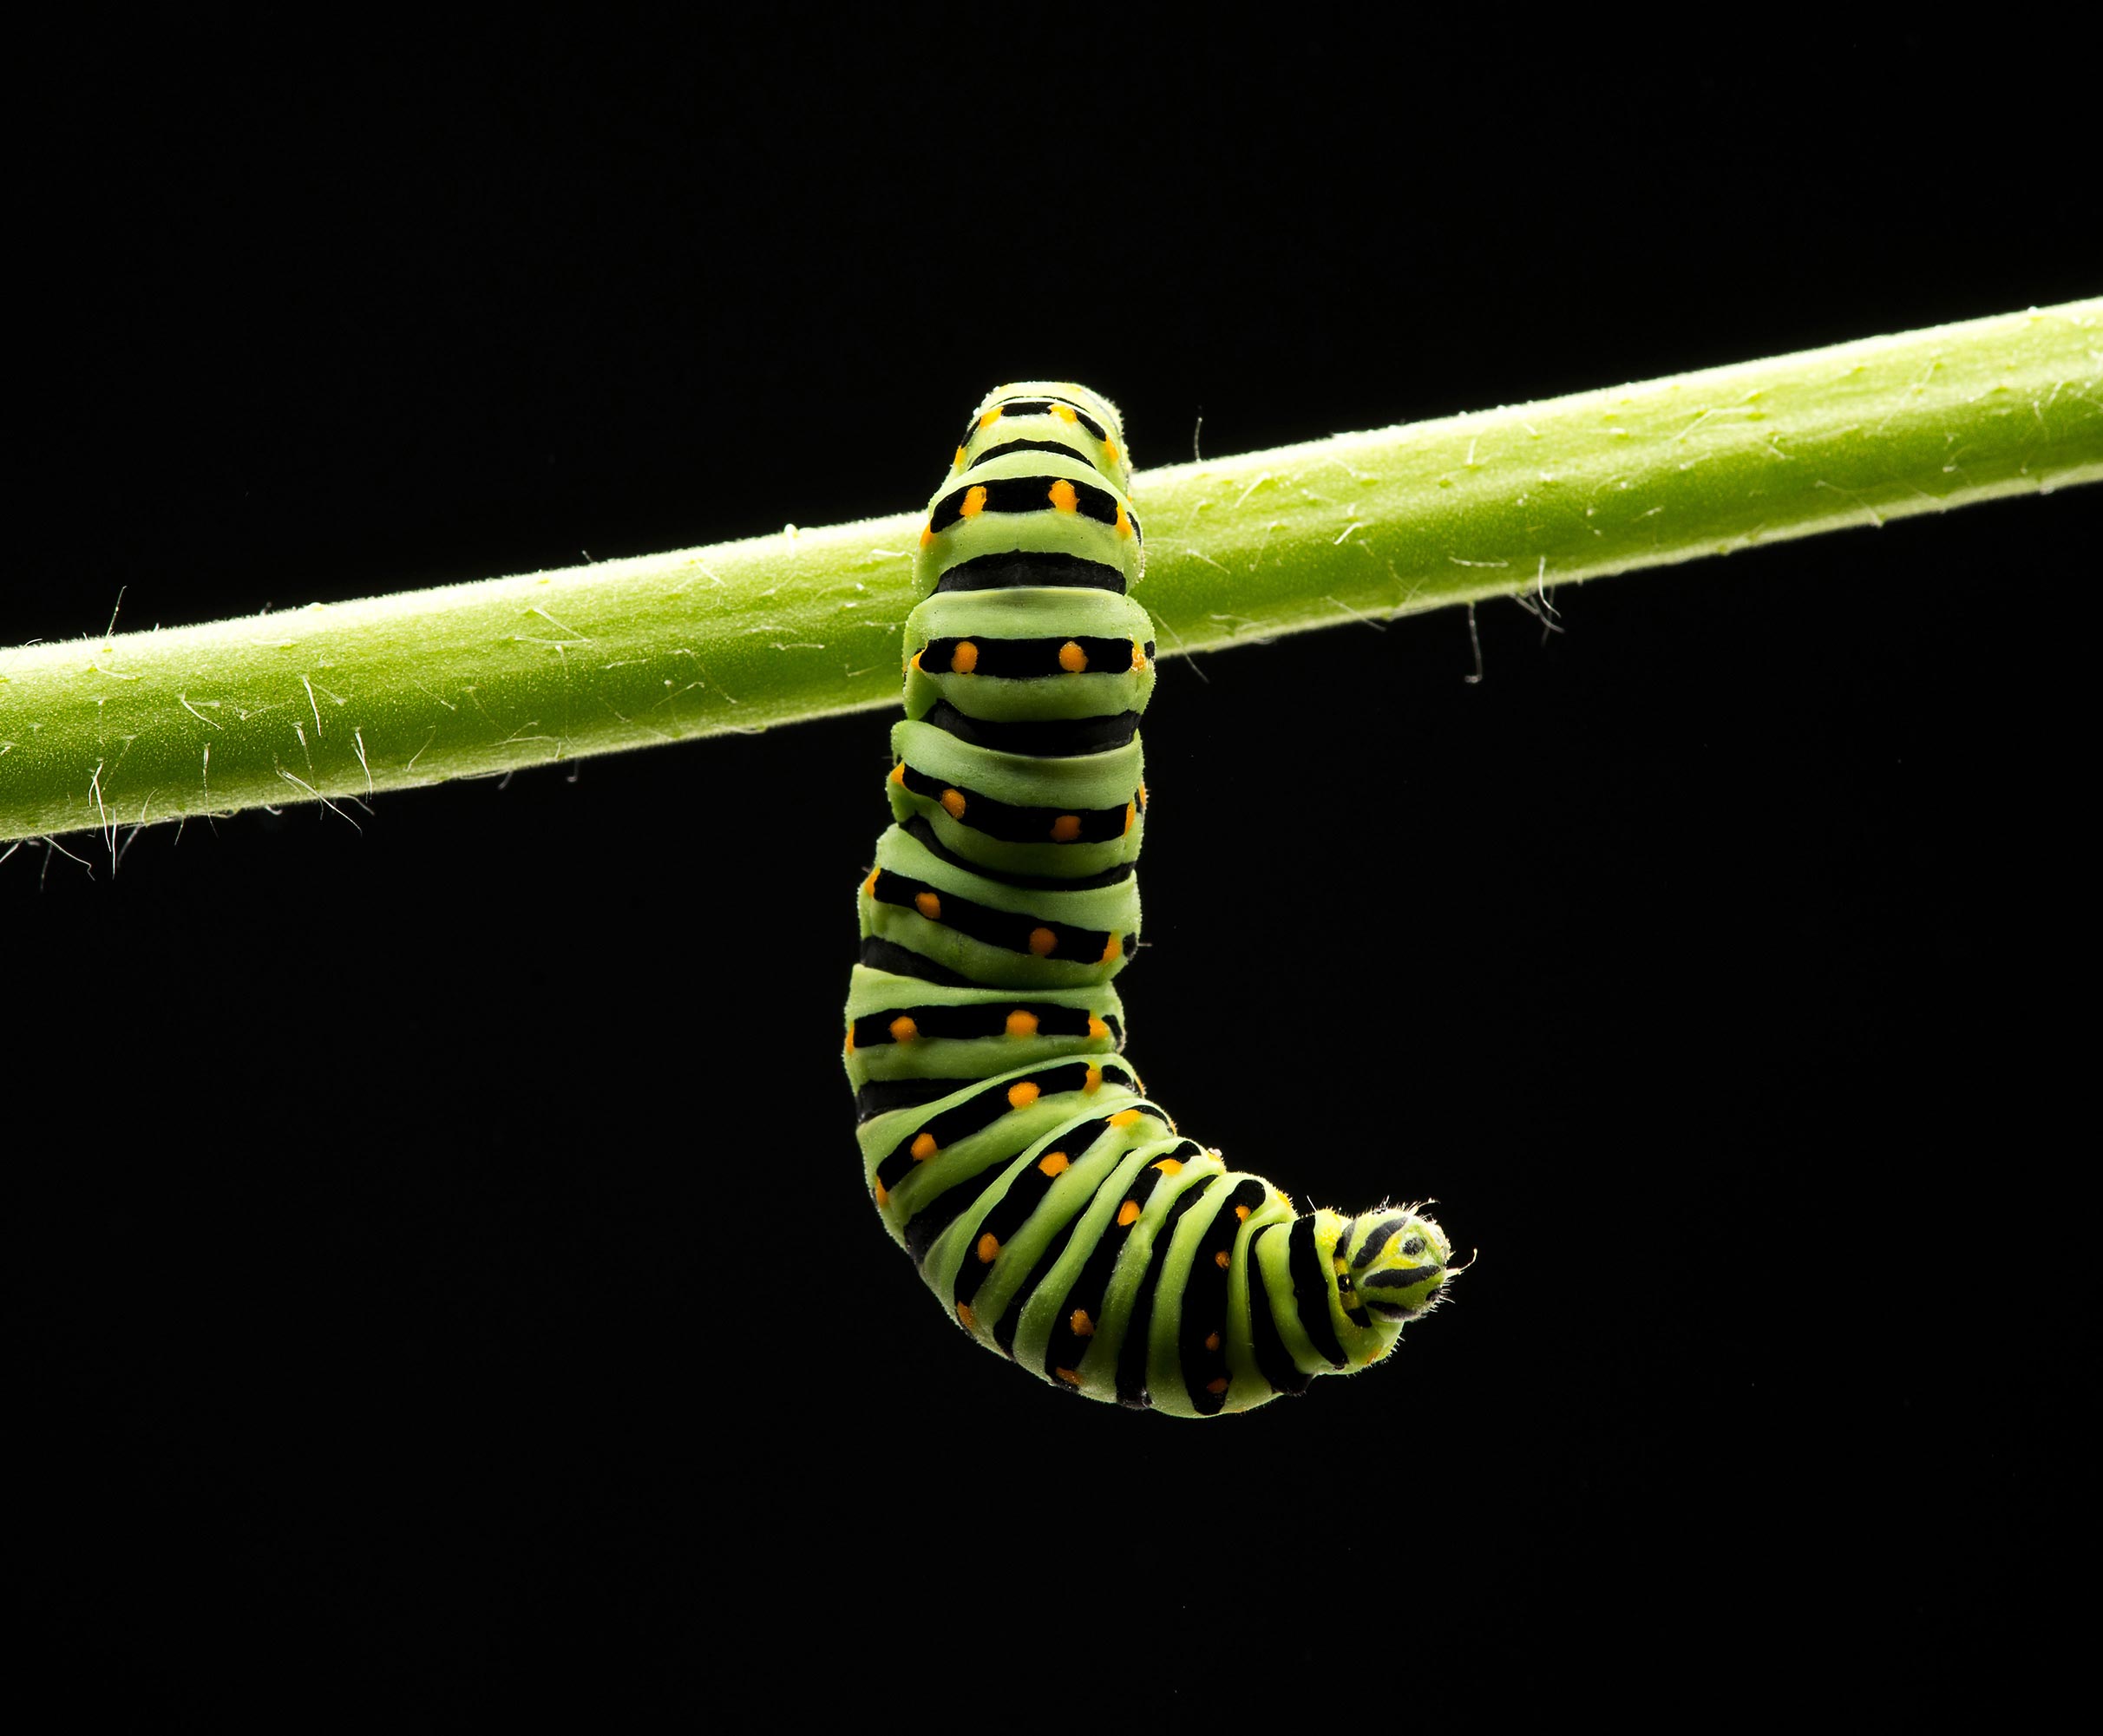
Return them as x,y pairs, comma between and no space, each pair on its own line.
1055,1211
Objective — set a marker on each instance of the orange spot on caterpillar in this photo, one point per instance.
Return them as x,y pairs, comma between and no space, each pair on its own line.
928,906
1139,656
868,885
965,1315
1143,794
1079,1325
1093,1083
1053,1163
924,1146
991,417
1218,1384
850,1039
1171,1166
1068,1376
1071,657
883,1197
1128,1214
1132,814
1062,496
974,500
1021,1023
1110,450
915,660
957,463
926,533
1113,949
1212,1341
1023,1093
1242,1212
1097,1029
1124,525
1065,828
1219,1260
903,1029
1124,1117
898,774
989,1248
965,658
1064,413
1042,941
952,803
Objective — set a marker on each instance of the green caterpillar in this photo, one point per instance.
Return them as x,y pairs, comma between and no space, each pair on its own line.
1010,1148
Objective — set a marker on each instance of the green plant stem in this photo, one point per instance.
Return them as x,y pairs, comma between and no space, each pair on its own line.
345,699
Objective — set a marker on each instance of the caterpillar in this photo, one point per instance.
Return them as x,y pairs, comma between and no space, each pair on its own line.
1057,1212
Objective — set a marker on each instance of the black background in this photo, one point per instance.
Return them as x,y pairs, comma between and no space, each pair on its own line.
439,1256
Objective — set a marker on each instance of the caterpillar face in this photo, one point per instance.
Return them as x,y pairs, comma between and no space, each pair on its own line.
1056,1211
1395,1263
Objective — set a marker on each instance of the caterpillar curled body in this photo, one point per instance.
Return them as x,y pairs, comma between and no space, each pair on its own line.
1050,1205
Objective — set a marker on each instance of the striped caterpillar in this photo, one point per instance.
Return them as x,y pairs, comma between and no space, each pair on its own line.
1009,1146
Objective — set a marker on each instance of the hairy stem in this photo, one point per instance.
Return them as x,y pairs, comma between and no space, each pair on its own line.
348,698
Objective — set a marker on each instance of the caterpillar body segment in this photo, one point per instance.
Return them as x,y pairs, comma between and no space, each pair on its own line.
1057,1212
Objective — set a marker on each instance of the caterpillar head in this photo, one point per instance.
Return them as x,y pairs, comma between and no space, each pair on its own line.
1395,1262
